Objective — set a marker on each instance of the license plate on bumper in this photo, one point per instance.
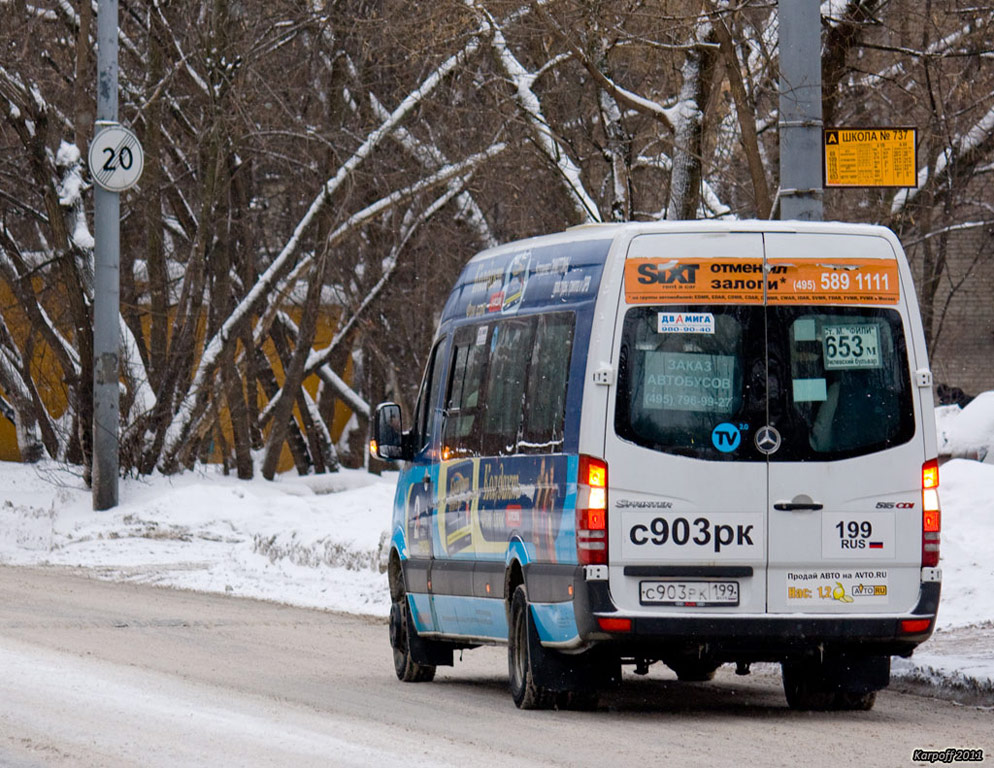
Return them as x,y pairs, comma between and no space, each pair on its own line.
689,593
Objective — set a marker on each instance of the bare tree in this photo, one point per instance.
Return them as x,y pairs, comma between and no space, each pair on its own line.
323,170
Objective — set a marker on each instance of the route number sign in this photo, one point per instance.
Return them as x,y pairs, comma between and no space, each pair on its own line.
116,158
870,157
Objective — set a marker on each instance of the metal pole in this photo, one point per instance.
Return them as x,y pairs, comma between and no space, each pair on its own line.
800,110
106,282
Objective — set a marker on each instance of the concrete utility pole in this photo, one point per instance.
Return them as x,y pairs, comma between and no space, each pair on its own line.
800,110
106,279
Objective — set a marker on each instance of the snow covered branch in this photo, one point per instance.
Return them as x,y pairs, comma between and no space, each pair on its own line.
522,81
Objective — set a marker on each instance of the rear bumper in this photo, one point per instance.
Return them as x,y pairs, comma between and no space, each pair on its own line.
766,638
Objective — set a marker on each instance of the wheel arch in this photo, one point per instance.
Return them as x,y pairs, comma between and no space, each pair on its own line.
395,576
514,577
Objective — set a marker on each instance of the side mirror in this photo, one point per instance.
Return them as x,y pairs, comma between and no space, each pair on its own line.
388,434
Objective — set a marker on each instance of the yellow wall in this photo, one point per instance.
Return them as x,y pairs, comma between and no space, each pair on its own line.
44,369
8,442
52,390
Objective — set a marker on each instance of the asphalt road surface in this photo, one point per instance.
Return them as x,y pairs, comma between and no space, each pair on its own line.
101,674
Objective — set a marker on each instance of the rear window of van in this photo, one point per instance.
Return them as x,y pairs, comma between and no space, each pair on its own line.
834,381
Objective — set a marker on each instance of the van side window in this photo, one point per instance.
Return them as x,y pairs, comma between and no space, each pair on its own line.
507,386
426,399
545,399
510,351
464,402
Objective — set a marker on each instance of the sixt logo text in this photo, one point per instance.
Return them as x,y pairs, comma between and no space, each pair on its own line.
654,273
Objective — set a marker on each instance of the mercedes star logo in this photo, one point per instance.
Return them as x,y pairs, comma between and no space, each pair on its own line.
767,439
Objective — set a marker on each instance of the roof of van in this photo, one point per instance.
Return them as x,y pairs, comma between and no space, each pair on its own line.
609,230
566,267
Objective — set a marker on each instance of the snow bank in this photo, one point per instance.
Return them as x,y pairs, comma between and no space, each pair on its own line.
966,493
967,432
312,541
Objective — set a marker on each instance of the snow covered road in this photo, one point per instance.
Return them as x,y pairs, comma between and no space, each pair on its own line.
96,674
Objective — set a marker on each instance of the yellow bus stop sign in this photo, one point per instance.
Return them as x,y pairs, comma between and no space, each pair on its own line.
870,157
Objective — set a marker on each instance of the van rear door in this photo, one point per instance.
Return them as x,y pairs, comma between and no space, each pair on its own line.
763,450
845,483
688,501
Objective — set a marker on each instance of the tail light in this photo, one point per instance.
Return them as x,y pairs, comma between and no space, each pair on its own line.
591,512
915,626
611,624
931,514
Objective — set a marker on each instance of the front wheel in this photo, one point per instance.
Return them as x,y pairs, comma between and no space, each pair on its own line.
407,669
525,692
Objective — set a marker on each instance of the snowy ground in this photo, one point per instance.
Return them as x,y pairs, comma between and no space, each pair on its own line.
317,541
310,541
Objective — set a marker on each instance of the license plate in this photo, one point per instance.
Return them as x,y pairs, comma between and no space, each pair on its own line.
689,593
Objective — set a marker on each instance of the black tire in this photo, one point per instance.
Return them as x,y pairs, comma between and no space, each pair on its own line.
694,671
802,691
408,670
807,691
524,691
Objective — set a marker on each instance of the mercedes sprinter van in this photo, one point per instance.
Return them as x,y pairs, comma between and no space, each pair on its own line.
693,442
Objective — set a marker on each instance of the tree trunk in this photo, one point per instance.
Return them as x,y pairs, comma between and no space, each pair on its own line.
746,114
155,257
271,388
294,375
685,179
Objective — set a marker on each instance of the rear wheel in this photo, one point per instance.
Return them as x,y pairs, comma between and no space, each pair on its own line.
802,691
407,669
838,685
520,662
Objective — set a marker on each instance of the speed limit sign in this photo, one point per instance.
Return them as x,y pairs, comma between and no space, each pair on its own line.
116,158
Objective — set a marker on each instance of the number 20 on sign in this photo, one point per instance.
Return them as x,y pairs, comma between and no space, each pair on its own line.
116,158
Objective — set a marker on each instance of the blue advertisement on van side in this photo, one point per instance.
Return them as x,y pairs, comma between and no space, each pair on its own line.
509,282
482,504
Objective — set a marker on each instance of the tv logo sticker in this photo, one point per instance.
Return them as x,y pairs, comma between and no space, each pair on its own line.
726,437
